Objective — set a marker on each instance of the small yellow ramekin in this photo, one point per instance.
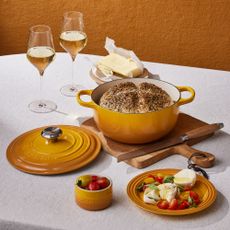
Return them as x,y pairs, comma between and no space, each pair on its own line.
94,199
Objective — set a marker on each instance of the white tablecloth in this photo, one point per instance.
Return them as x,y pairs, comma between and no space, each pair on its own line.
47,202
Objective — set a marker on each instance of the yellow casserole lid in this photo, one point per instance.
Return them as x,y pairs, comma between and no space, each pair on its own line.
53,150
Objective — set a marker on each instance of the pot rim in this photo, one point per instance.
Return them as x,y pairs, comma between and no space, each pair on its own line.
160,110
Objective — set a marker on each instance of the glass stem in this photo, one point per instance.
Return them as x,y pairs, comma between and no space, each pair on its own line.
72,72
40,89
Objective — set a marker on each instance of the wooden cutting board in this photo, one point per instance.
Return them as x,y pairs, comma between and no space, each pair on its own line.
184,124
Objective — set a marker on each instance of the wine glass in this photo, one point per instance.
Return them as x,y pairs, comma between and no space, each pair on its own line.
41,53
72,39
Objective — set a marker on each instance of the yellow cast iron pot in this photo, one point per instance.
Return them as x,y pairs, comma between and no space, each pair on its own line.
136,128
94,199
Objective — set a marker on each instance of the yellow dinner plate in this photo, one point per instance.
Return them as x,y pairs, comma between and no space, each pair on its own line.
203,187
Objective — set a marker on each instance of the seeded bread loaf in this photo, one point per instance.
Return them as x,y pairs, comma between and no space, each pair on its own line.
130,98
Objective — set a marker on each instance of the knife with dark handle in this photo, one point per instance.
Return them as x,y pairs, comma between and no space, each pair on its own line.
193,134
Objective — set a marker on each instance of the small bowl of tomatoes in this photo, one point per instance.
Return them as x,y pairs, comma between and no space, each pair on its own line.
93,192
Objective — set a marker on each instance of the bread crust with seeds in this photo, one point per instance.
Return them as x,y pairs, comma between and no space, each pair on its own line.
130,98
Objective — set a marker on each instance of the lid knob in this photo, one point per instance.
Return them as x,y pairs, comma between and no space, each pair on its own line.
51,133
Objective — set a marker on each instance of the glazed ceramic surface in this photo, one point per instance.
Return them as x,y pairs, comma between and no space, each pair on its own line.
94,200
203,187
32,153
140,127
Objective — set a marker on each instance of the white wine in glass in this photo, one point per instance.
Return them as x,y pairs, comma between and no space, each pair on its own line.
41,53
72,39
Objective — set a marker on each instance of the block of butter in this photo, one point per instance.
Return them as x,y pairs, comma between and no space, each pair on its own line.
120,65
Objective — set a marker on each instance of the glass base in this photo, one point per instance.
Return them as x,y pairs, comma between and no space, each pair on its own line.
71,90
42,106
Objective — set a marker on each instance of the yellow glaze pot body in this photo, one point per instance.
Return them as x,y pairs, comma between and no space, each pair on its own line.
136,128
94,200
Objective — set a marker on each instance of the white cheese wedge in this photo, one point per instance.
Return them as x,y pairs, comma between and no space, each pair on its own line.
121,65
151,196
185,177
167,191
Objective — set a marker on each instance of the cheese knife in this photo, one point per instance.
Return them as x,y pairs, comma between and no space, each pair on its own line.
193,134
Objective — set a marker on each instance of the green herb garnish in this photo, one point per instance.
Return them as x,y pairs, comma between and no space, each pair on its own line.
193,205
79,183
190,200
153,186
140,187
168,179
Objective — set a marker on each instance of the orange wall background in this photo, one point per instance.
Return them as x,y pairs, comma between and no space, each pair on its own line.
184,32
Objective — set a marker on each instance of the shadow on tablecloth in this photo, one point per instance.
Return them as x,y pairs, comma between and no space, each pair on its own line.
9,225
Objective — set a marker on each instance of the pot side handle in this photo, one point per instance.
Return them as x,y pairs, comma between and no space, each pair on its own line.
183,101
89,104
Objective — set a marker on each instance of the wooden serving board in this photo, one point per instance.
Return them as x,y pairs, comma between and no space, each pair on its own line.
184,124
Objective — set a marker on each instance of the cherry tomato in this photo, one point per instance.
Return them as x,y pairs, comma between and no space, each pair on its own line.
83,181
196,201
173,204
194,195
103,182
184,204
93,185
94,178
187,188
159,179
163,204
151,176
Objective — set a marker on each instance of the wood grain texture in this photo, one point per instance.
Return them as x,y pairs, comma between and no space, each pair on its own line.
185,123
191,32
175,140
